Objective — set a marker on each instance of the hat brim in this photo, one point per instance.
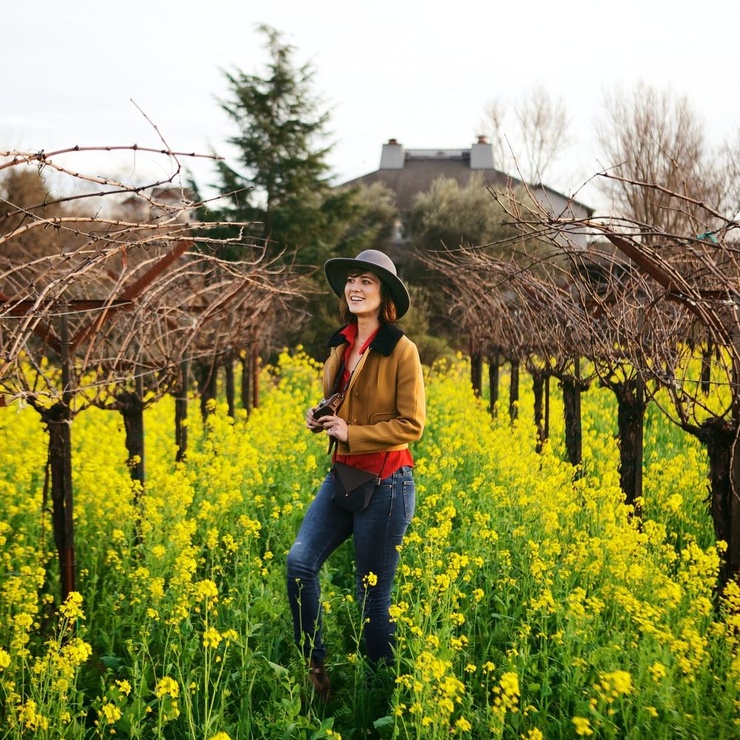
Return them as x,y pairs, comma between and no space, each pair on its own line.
336,270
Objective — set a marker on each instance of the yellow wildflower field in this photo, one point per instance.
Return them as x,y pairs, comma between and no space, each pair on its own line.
530,601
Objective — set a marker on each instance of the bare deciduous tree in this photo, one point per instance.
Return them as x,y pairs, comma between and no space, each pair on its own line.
652,138
529,137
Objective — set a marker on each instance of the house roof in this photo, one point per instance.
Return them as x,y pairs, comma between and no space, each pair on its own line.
414,171
417,176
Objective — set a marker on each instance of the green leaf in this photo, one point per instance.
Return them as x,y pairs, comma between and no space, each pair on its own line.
111,662
279,669
384,726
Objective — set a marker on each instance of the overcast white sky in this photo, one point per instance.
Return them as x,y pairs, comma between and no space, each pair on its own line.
422,73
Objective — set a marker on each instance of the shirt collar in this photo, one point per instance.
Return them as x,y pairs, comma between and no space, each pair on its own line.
350,334
388,336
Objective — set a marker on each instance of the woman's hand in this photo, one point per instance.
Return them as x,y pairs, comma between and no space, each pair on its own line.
335,427
313,424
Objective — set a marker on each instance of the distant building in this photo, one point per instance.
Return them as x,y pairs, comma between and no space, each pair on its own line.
408,172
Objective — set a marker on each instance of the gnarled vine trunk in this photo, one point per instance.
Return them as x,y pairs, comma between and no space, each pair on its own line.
514,391
541,389
230,386
494,372
131,406
631,407
181,411
58,424
476,373
721,441
572,412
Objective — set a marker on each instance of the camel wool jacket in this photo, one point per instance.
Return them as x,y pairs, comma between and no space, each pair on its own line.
385,403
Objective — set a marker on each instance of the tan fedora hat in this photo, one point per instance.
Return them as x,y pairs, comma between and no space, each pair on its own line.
374,261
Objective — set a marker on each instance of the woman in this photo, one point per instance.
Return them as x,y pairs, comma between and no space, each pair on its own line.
377,369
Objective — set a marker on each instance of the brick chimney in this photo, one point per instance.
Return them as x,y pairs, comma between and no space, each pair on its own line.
392,156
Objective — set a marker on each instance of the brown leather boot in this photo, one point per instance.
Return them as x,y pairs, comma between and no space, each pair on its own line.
319,679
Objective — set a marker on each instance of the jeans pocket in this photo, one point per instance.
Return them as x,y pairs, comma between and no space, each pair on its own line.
409,500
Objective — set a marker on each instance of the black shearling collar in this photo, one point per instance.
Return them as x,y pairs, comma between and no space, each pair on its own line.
385,340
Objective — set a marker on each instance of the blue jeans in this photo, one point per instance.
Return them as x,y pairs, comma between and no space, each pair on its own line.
377,533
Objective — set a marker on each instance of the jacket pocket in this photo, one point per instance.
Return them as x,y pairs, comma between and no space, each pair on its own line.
383,416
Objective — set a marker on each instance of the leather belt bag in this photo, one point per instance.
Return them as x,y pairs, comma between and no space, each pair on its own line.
353,488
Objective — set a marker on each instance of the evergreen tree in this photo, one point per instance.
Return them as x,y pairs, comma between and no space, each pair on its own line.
280,179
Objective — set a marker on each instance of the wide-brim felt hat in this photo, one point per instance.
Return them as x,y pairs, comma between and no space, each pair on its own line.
374,261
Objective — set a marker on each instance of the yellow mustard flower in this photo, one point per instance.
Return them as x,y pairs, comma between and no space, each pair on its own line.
582,726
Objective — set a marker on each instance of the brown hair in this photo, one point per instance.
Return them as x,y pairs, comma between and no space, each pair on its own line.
388,313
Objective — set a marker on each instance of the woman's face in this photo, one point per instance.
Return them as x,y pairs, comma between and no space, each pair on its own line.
362,293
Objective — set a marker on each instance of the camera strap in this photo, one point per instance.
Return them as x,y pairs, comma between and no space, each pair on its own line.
338,380
341,388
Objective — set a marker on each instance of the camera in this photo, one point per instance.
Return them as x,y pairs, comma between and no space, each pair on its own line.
328,406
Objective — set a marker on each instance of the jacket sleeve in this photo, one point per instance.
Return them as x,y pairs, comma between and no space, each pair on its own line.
396,427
